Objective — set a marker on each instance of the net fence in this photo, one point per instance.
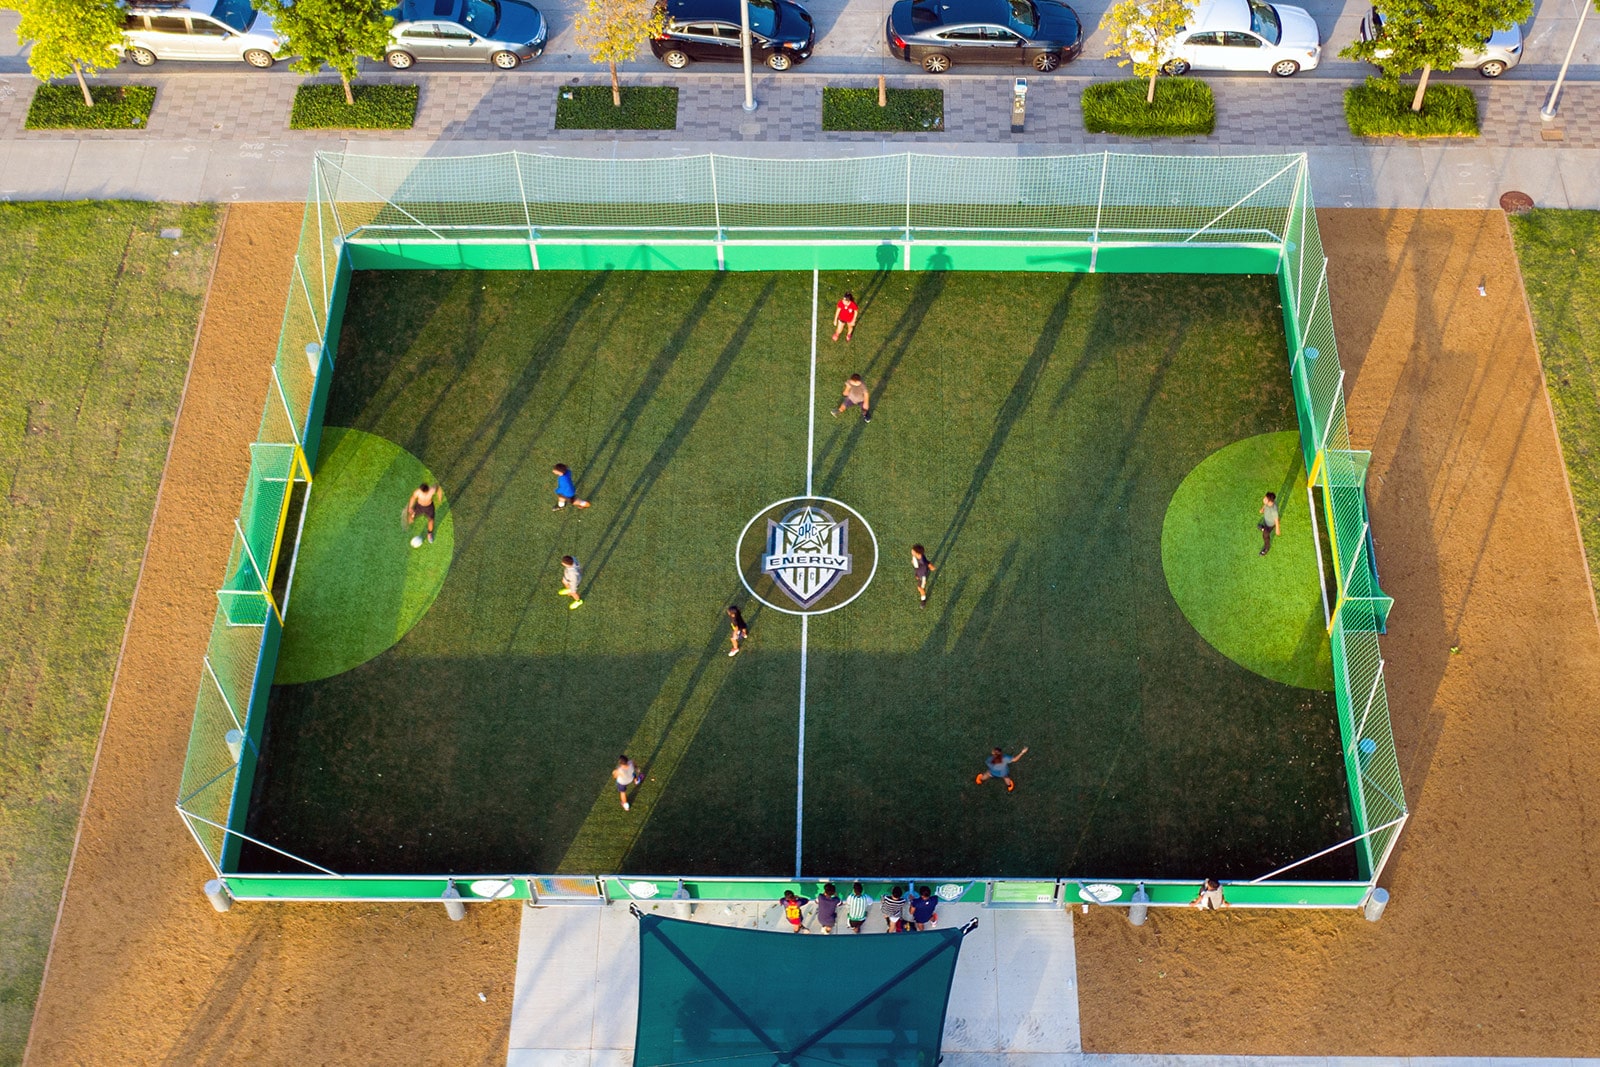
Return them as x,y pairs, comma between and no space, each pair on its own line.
1106,197
1110,200
1337,474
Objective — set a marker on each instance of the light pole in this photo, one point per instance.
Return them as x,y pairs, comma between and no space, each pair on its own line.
744,46
1548,112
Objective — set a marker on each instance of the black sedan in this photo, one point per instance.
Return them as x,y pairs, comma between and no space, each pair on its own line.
937,33
781,33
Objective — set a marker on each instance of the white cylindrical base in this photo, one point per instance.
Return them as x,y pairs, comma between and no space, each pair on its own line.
1140,911
452,903
1377,900
217,893
234,739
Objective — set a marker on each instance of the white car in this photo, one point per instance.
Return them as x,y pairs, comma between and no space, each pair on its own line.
1246,35
1501,52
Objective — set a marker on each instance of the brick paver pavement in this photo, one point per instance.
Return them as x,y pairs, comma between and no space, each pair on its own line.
1251,112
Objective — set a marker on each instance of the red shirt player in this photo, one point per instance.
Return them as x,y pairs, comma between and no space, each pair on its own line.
844,316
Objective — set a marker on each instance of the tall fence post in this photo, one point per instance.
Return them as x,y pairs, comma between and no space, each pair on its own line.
908,158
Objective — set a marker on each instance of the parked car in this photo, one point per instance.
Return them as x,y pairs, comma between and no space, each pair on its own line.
782,33
503,32
1246,35
938,33
199,29
1501,52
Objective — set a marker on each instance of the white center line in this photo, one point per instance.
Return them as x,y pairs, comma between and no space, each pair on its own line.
805,620
800,779
811,418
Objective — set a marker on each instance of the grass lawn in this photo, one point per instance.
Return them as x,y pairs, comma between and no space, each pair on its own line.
95,337
60,107
1033,452
377,107
1560,256
904,110
1183,107
590,107
1377,108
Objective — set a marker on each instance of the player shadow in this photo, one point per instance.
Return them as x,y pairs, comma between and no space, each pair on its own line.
709,654
625,509
889,262
987,608
1011,409
879,373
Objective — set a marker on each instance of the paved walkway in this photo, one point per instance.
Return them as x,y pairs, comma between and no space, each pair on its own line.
1013,1003
224,136
1015,993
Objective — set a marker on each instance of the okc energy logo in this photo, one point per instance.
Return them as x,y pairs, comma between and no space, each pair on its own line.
802,549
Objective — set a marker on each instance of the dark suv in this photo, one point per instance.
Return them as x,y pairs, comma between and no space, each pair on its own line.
938,33
781,32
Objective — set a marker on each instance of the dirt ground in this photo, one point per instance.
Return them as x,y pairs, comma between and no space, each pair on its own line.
141,969
1488,947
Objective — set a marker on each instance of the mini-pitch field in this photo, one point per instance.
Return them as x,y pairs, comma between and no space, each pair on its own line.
1030,429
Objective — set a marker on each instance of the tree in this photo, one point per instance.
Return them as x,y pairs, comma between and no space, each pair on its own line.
1430,35
71,37
1142,31
337,33
612,31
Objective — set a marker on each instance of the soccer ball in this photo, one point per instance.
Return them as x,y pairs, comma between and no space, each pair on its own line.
416,542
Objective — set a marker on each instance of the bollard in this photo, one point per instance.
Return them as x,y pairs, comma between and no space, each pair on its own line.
1377,900
680,901
1019,105
234,739
217,893
314,356
1140,911
452,902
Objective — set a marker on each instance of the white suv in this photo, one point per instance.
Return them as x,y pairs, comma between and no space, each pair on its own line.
198,29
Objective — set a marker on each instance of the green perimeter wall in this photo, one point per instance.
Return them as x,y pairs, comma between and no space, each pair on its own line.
1191,258
1077,257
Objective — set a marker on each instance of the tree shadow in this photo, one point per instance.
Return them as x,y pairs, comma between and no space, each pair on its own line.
901,336
1011,410
625,510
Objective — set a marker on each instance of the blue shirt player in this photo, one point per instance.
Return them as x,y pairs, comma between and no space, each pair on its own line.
566,489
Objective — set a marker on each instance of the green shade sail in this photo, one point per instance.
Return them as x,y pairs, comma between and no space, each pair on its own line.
739,997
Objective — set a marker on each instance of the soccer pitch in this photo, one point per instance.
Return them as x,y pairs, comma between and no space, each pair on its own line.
441,709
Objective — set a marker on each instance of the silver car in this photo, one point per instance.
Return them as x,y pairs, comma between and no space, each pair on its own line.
502,32
1501,52
199,29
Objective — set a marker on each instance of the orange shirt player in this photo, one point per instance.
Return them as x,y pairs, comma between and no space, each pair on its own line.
423,500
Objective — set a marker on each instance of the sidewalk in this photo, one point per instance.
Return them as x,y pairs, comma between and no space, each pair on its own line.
224,136
1013,1001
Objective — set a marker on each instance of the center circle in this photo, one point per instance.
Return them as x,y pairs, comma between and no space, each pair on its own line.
806,555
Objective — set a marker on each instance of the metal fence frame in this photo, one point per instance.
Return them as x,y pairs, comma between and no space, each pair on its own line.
1099,212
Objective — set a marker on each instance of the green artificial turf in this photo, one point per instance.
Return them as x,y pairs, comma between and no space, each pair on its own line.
905,110
360,583
99,321
376,107
1559,252
1030,430
590,107
1380,108
1183,107
1255,610
116,107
